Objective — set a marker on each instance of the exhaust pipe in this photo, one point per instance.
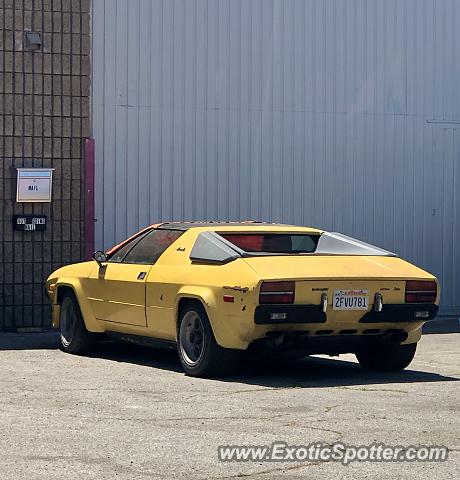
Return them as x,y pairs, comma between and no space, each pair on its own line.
399,337
285,340
390,337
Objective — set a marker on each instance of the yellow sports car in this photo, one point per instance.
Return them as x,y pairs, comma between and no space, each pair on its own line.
216,290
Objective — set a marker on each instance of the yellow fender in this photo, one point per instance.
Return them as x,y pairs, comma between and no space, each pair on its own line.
221,324
92,325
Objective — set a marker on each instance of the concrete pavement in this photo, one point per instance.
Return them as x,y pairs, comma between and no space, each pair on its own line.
130,412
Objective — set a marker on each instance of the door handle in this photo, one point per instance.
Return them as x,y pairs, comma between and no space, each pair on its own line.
141,275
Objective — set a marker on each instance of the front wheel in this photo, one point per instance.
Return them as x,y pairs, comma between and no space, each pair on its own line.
390,358
199,352
75,338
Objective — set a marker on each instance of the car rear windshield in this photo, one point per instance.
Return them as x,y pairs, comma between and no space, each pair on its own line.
277,243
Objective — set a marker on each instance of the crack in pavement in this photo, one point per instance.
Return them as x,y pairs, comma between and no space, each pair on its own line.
252,390
364,389
159,419
265,472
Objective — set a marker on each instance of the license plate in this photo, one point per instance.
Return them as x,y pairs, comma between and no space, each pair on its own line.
351,300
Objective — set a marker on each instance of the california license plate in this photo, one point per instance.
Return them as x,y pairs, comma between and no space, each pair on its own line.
348,299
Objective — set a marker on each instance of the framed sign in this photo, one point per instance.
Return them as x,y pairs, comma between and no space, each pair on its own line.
34,184
29,223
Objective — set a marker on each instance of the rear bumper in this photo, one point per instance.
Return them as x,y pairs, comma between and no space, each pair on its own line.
310,314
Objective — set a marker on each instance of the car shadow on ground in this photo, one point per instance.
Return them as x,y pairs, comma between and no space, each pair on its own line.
305,373
119,351
320,372
310,372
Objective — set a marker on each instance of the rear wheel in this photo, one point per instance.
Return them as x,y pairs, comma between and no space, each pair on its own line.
390,358
75,338
199,352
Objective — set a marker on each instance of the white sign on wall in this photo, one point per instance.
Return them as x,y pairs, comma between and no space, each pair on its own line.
34,184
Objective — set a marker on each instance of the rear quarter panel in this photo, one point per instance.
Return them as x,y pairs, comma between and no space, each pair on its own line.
174,277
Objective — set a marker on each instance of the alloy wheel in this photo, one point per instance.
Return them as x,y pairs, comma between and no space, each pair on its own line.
192,338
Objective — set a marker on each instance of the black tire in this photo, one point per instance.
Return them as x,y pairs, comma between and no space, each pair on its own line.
387,359
75,338
205,358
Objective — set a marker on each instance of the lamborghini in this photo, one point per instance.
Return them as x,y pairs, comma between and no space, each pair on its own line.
218,292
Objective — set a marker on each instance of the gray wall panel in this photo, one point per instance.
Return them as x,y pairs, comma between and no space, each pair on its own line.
342,115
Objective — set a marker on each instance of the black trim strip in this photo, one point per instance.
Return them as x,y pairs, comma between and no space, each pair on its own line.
294,314
404,312
143,340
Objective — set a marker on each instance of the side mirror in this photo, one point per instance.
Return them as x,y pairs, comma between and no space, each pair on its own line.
100,257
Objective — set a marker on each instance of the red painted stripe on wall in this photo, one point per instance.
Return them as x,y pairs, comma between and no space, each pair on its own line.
89,198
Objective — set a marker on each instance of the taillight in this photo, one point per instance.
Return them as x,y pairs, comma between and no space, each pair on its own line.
277,292
421,291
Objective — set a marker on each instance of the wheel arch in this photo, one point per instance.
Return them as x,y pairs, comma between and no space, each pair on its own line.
61,290
185,299
74,286
222,325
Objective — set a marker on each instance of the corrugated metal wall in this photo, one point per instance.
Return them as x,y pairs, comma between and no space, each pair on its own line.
339,114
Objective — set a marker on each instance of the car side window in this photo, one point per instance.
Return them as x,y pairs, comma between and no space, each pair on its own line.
149,249
120,254
304,243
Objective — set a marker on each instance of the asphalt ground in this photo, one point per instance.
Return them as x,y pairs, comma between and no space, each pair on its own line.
129,412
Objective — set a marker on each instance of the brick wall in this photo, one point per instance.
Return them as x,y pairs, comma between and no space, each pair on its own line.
44,118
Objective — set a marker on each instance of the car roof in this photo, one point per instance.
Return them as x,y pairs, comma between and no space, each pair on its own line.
249,225
208,224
